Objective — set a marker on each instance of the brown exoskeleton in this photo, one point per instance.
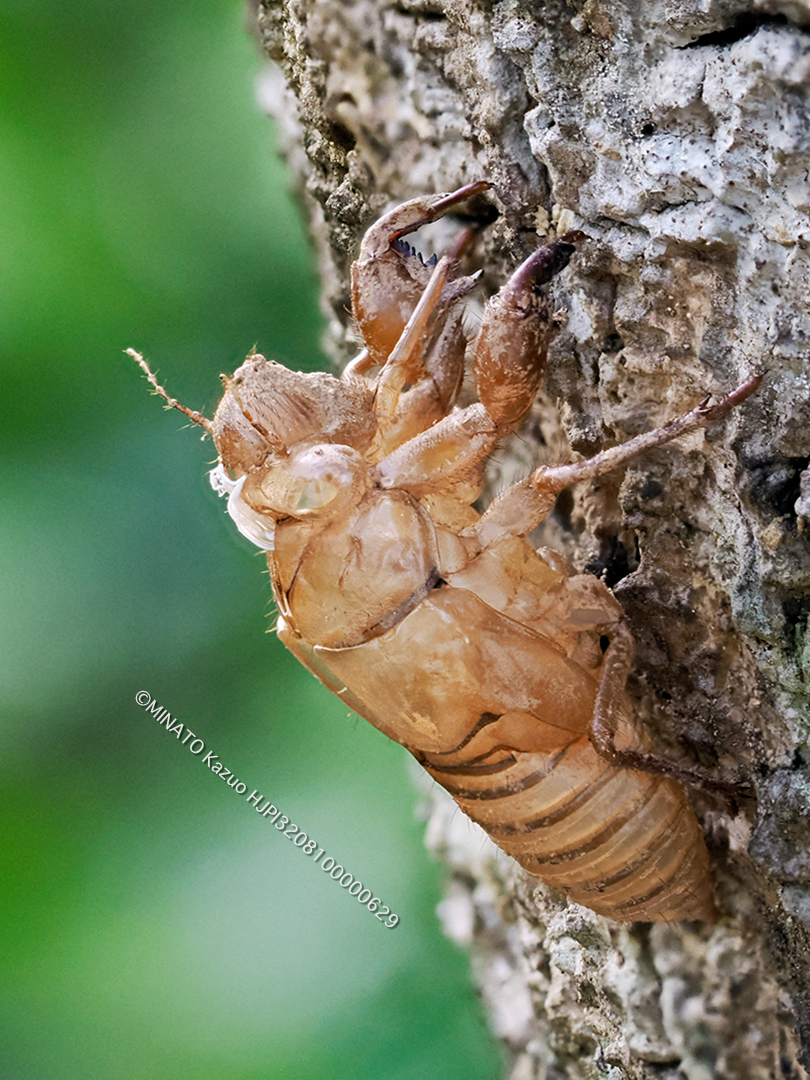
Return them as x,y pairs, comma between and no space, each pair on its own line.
501,673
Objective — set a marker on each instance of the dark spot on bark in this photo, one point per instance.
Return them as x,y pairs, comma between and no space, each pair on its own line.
563,508
740,27
614,561
796,610
613,343
774,484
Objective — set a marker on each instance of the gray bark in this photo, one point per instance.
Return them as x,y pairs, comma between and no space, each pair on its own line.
676,133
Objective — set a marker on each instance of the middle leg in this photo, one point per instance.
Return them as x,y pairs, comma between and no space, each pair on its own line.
524,505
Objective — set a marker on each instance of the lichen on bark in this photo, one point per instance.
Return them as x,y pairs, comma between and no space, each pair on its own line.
676,133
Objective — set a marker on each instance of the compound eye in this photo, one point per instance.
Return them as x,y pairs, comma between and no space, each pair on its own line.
318,480
320,489
328,474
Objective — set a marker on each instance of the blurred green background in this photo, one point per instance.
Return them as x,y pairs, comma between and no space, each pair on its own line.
153,925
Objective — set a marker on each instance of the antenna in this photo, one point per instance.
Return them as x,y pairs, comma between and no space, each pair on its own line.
171,403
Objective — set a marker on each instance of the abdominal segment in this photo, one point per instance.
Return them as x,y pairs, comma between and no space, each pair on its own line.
622,842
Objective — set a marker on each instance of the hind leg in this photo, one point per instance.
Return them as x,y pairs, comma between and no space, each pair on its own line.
610,713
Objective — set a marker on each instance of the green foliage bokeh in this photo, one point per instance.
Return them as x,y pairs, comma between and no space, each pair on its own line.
153,925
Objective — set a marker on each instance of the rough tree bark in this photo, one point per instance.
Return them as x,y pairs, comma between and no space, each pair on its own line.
676,133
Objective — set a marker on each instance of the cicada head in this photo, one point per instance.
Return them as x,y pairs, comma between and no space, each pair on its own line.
267,411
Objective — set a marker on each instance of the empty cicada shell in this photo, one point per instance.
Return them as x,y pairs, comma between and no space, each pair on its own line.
501,673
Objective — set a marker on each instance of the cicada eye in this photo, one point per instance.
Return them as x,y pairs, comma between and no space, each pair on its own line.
332,477
318,479
318,492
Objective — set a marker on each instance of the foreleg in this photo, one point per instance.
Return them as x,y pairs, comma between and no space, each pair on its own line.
405,357
518,324
388,278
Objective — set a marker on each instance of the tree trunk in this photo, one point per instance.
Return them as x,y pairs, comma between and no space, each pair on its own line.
676,135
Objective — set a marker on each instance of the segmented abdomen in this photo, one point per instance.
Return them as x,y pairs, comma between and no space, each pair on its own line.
499,716
621,842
